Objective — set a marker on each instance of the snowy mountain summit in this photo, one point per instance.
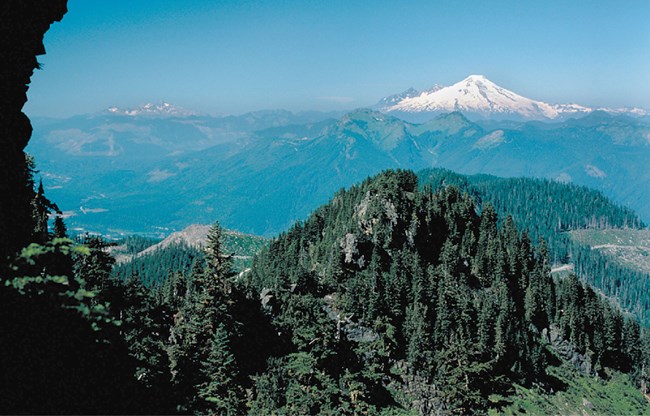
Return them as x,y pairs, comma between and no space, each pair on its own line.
150,109
410,93
478,97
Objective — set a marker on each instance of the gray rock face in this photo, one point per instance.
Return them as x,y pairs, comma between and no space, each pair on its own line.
426,400
568,351
266,298
373,210
349,247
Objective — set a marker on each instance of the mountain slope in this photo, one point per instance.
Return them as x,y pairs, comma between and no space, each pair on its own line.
180,251
151,132
628,247
272,177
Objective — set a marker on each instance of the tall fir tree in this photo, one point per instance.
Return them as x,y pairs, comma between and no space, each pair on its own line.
202,364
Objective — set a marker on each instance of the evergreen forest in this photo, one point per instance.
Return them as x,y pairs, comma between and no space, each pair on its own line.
395,297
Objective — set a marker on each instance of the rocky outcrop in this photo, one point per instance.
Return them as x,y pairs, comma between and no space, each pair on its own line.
24,22
420,395
565,349
350,249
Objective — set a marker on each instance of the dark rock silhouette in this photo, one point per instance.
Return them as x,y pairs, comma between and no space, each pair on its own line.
58,355
24,23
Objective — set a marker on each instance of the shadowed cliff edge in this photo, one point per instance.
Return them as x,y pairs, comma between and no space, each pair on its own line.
24,23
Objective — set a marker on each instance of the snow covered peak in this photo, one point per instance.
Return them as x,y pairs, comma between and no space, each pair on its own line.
150,109
476,95
476,78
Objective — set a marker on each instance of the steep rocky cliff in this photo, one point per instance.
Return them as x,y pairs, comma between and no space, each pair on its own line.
24,22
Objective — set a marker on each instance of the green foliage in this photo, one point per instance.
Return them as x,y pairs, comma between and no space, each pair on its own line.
220,370
95,266
134,244
243,245
615,394
60,229
461,376
45,271
155,266
60,330
41,210
145,328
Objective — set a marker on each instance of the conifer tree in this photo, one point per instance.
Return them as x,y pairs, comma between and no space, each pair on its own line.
461,376
200,357
218,270
144,328
60,230
95,268
418,336
219,370
41,209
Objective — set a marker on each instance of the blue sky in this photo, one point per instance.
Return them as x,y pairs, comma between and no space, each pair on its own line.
237,56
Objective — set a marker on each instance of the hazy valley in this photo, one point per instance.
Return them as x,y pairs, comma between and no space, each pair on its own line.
113,172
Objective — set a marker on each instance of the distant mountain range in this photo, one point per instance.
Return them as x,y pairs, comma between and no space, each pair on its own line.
259,172
162,109
479,98
476,97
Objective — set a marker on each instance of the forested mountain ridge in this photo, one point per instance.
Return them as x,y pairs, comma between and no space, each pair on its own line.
389,299
196,235
419,280
548,209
